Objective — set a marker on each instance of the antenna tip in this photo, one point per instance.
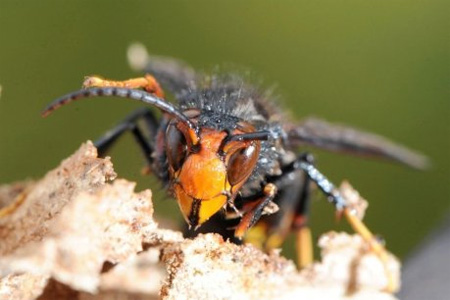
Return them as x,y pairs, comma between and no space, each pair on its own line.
47,111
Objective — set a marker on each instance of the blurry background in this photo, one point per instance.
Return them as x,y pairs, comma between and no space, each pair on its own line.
382,66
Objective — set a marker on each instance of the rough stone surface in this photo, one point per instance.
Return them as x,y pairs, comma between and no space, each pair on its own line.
76,235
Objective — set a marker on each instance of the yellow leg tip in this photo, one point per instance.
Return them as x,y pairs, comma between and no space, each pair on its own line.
93,81
304,247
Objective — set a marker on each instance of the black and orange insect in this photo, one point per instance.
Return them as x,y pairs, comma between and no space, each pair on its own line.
225,151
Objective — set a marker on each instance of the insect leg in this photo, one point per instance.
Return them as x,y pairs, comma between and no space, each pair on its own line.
254,209
148,83
104,143
304,244
293,200
335,197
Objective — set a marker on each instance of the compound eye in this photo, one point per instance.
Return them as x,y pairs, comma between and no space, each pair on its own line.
176,146
242,162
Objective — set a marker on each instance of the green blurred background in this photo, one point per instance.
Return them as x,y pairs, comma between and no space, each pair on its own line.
378,65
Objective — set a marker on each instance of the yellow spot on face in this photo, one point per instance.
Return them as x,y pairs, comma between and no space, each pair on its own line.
207,208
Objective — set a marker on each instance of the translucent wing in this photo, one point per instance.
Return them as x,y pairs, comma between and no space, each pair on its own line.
340,138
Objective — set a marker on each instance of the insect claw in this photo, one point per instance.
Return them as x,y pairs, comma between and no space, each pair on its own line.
93,81
238,213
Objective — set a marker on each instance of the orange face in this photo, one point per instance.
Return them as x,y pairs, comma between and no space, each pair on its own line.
207,175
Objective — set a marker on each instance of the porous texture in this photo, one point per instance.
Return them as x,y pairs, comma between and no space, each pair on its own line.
44,200
76,235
